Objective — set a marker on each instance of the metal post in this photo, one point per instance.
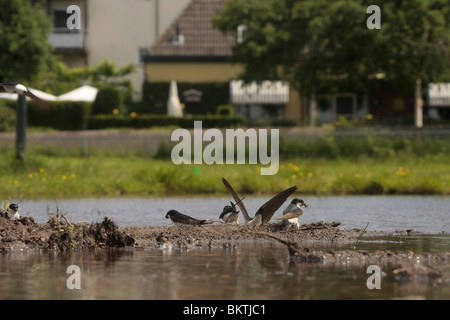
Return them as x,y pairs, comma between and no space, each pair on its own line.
313,111
21,127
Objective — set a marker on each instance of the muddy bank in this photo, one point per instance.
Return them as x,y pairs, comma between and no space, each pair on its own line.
300,245
60,234
190,236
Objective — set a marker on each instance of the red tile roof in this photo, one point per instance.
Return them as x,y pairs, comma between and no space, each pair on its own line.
200,38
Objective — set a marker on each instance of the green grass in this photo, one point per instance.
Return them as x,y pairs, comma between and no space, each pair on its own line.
46,176
327,165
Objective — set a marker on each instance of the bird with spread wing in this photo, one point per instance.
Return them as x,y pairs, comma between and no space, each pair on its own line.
266,211
13,87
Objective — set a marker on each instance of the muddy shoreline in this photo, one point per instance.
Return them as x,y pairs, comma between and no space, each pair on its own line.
59,234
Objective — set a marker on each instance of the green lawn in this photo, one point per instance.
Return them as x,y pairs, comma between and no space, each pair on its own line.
49,176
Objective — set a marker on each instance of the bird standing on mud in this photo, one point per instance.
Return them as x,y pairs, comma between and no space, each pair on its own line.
179,218
230,214
12,212
266,211
13,87
292,212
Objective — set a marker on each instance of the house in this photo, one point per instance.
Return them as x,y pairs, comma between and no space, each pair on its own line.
190,51
328,108
116,30
438,101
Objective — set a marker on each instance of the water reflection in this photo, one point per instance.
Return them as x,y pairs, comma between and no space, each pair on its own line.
252,270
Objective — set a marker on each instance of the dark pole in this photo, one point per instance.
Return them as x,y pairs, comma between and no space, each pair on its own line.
21,127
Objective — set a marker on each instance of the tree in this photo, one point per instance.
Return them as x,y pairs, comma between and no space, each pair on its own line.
325,45
25,52
415,45
62,79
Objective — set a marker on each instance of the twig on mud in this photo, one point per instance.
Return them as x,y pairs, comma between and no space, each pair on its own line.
360,236
67,222
262,233
291,246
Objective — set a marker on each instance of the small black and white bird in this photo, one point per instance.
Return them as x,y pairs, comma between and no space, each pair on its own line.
13,211
292,212
13,87
266,211
230,214
179,218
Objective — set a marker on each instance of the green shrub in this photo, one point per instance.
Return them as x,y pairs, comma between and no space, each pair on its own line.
283,123
164,151
7,117
225,110
62,115
107,100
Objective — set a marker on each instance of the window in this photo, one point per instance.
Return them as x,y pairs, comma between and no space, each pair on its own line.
60,17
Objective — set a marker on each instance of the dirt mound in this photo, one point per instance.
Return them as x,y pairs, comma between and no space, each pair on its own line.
80,235
191,236
60,234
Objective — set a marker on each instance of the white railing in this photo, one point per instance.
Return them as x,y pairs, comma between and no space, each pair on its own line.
72,40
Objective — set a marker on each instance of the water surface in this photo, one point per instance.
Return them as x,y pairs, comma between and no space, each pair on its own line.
249,270
427,214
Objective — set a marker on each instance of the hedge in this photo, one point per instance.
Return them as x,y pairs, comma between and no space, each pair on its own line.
107,100
156,120
155,95
61,115
7,115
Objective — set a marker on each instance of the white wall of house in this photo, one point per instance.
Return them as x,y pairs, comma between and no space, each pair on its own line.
118,30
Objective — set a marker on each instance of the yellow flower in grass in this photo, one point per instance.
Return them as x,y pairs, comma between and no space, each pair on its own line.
64,177
401,172
41,170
